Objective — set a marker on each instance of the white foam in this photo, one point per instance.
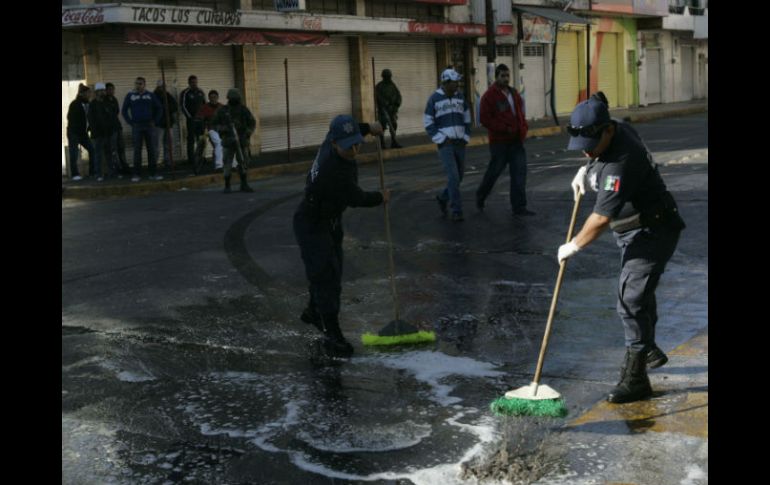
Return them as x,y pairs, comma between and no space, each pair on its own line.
433,366
694,473
371,438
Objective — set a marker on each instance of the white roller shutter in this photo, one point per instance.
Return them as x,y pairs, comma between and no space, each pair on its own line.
121,63
534,80
319,89
687,73
653,75
413,63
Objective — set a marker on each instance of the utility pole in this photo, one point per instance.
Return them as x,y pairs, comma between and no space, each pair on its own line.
491,48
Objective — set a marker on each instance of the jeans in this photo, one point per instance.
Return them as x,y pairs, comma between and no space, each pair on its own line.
164,136
194,131
453,159
144,132
514,157
75,139
216,140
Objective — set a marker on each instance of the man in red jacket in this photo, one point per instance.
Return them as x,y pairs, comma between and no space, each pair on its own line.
502,114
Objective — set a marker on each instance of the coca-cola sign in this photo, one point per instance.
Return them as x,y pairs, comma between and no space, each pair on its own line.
88,16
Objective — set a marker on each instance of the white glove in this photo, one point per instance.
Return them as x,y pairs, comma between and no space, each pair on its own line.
579,182
567,250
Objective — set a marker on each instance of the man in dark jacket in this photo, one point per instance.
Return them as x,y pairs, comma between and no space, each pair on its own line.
142,110
101,118
77,130
331,186
166,126
190,100
502,114
120,146
388,102
235,124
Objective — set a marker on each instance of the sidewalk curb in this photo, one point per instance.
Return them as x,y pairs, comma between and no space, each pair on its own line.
201,181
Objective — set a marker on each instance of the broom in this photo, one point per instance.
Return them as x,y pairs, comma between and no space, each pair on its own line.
536,399
397,332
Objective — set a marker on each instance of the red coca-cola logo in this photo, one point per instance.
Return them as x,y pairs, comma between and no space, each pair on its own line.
83,17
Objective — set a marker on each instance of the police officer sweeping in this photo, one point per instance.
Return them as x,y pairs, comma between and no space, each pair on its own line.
633,201
331,187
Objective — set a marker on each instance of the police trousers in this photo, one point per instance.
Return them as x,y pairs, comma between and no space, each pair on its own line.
644,253
320,244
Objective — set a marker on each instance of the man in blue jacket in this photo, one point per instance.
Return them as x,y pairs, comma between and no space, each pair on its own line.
143,111
447,120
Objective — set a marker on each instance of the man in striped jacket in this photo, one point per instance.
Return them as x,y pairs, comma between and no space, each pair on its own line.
447,120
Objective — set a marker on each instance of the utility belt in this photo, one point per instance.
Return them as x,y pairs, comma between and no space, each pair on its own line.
313,207
664,214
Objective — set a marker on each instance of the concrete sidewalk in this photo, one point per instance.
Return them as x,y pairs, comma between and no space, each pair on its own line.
277,163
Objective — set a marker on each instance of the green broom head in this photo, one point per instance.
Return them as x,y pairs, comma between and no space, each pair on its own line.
398,332
526,402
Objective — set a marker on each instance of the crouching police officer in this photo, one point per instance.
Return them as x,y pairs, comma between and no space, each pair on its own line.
633,201
331,187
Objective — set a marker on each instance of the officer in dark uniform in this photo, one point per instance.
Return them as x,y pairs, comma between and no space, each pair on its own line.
633,201
331,187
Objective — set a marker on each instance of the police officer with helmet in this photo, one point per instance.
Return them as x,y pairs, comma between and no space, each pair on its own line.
633,202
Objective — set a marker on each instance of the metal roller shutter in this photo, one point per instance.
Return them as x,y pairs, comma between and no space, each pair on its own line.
319,89
608,68
567,75
653,75
687,73
413,63
534,80
121,63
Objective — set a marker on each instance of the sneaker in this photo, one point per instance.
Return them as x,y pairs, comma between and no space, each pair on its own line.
523,212
99,179
120,177
655,358
77,177
135,179
156,177
441,205
457,217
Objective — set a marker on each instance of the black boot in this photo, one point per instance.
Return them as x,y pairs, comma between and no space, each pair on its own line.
334,343
244,186
394,143
655,357
634,384
311,317
227,185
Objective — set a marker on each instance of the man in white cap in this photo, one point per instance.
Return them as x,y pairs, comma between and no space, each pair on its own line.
447,120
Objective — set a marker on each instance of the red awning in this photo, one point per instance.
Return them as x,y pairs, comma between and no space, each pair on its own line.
137,35
444,2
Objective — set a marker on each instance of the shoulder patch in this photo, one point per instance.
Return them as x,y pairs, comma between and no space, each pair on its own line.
612,183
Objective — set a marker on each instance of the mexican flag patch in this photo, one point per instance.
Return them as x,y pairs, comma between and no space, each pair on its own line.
612,183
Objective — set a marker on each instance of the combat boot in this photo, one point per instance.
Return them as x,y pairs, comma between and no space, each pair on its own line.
245,186
334,343
655,357
634,384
